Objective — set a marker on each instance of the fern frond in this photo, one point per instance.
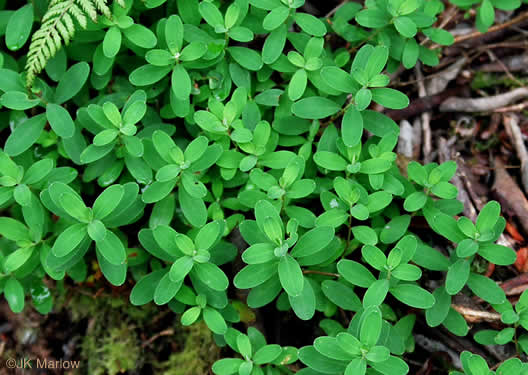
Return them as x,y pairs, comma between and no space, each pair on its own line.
58,27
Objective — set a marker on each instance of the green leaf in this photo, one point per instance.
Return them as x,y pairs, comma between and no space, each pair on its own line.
390,98
259,253
211,15
377,61
190,316
181,82
247,58
365,234
486,289
112,42
363,98
395,229
227,366
274,45
140,36
378,354
411,52
407,272
107,201
75,207
315,107
180,268
209,235
19,27
370,328
378,124
330,160
60,120
355,273
69,239
143,291
438,312
297,84
174,33
148,74
488,217
72,82
413,295
310,24
14,294
304,304
244,346
25,135
166,290
457,276
17,258
214,321
439,36
393,366
339,79
254,275
115,274
275,18
445,190
341,295
376,293
112,248
485,15
211,275
13,229
374,256
291,276
267,354
96,230
405,26
373,18
352,127
313,241
18,101
356,366
378,200
497,254
193,209
415,201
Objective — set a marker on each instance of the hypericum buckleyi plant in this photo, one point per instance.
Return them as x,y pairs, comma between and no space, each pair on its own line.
147,143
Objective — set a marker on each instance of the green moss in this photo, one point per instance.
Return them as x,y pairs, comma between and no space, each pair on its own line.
111,344
197,352
112,353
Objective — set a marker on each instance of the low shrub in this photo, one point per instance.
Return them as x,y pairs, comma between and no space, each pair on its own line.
149,135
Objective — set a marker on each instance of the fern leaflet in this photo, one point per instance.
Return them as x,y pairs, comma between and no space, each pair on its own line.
58,26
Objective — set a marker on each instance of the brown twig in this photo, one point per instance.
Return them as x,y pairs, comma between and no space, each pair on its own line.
505,25
494,58
476,316
512,108
165,332
426,119
307,272
487,104
335,9
512,123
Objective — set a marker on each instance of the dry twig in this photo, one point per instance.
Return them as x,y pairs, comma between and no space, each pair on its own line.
487,104
520,18
510,194
512,123
476,316
426,118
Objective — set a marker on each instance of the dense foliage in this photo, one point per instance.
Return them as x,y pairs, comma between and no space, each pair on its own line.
162,128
